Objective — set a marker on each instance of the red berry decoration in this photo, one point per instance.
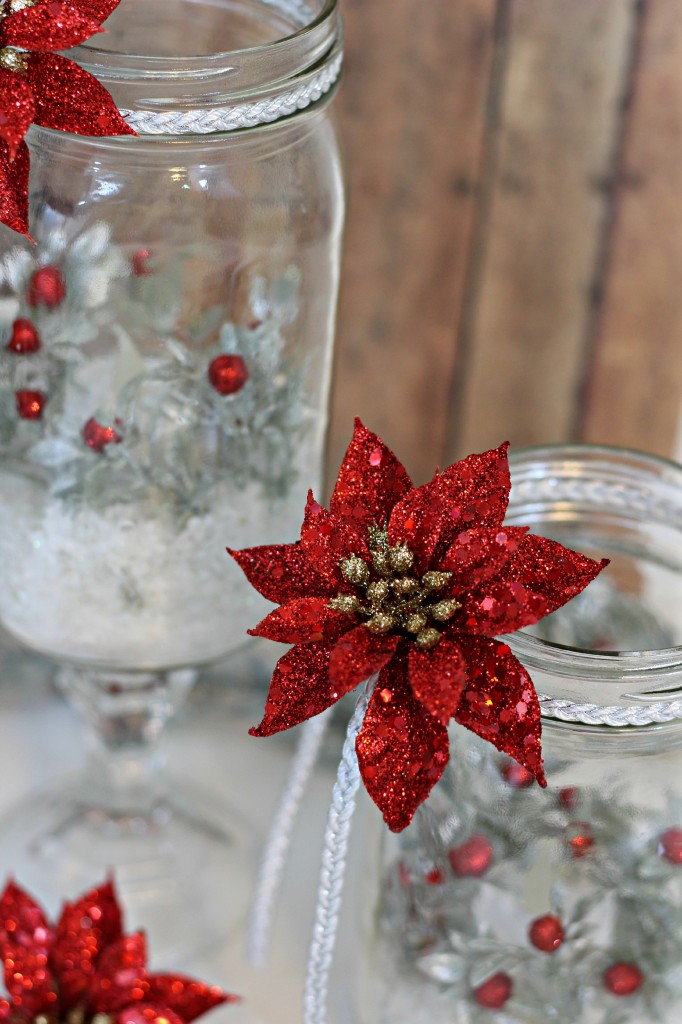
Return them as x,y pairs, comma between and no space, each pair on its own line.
25,338
670,846
495,992
228,374
472,859
582,841
623,979
546,933
435,877
568,797
98,437
517,776
30,404
46,288
138,263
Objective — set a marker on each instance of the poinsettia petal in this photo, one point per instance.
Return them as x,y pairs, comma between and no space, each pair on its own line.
402,749
85,928
70,99
299,689
417,521
185,996
146,1013
540,577
326,539
477,555
281,572
370,482
499,608
550,570
16,109
358,655
499,702
302,621
48,26
25,940
475,491
14,188
121,975
437,678
98,10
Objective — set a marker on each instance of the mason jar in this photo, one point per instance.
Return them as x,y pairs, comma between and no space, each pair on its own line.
165,347
506,902
165,363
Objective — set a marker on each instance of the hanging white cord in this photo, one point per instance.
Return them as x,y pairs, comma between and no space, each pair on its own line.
333,870
279,838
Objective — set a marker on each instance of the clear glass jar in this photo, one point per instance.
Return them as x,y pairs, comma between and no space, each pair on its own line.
505,902
165,362
182,292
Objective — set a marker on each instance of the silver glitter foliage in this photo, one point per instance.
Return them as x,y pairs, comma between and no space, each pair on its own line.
118,348
596,859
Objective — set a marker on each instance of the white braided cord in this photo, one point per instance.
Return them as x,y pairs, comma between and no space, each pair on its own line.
241,115
279,838
614,715
332,874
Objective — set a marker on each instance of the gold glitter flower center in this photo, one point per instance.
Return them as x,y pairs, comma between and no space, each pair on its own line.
74,1016
390,597
12,59
8,7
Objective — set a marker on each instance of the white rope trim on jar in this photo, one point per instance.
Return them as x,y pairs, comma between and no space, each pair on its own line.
242,115
614,715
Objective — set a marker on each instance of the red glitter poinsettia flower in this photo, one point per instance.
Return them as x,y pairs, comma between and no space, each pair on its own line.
84,966
38,86
412,583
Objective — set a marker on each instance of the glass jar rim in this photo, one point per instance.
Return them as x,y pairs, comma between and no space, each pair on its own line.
284,57
567,661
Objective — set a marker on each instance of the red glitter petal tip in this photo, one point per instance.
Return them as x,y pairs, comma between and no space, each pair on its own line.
25,942
185,996
437,678
302,621
370,482
476,489
121,975
326,539
45,27
419,520
70,99
14,188
84,929
499,702
547,568
358,655
281,572
17,106
300,688
98,10
402,750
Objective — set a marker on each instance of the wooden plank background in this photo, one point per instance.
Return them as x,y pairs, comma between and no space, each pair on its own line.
513,255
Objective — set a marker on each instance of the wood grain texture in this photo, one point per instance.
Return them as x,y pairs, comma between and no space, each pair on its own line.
412,111
635,380
530,299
